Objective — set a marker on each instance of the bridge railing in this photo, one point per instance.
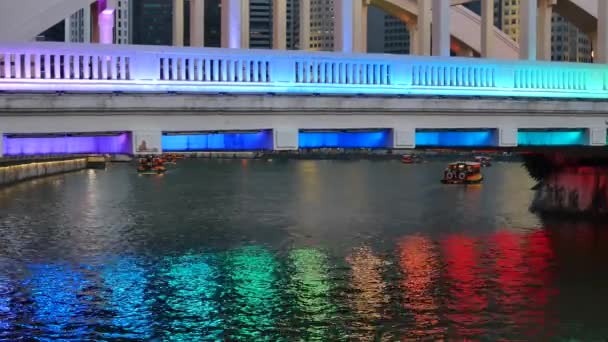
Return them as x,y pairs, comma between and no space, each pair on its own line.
36,67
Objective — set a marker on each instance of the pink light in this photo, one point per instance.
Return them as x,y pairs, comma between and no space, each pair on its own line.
106,26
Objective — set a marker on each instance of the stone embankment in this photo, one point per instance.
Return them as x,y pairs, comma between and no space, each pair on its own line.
13,171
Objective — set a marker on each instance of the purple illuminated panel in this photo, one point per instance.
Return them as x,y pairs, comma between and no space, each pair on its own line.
114,144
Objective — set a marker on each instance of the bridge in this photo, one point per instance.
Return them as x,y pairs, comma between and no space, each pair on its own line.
86,98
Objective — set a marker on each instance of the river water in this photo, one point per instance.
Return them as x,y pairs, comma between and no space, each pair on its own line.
294,250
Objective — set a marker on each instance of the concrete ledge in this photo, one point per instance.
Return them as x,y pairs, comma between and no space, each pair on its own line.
16,173
197,104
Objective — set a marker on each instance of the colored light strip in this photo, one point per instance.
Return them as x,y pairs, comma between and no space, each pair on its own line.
118,144
261,140
551,138
374,139
483,138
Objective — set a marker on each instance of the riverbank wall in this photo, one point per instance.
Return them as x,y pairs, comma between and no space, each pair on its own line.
13,171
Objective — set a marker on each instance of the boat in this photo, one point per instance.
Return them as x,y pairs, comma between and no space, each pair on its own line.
151,166
410,159
96,162
462,173
484,161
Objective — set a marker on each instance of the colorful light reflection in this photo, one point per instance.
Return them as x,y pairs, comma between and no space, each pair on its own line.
255,141
551,138
192,299
483,138
127,282
311,286
369,298
421,269
372,139
56,293
256,295
115,144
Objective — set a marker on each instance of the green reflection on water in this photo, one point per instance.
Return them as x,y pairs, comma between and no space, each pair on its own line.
311,286
255,303
127,281
192,301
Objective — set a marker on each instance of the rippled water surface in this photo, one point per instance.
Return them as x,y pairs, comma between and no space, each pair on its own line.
298,250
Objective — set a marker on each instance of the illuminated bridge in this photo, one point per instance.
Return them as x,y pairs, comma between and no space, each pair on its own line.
81,98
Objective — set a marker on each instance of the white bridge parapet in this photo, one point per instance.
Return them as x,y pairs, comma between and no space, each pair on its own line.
94,68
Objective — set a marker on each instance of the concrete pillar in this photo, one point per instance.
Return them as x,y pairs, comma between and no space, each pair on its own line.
527,29
596,136
67,29
414,38
304,24
285,139
178,22
279,24
441,28
1,144
601,52
404,137
507,136
235,24
147,142
359,26
487,29
343,25
545,10
197,22
423,28
105,21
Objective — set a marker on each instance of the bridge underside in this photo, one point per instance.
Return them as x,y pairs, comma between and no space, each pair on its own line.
199,122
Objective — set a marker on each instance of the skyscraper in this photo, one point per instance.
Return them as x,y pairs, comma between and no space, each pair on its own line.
152,22
78,26
568,43
260,24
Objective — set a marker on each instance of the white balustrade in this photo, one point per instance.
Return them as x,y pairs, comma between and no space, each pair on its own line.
39,67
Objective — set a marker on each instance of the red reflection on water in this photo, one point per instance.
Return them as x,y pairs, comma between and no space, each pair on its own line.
523,280
539,280
419,263
510,276
467,301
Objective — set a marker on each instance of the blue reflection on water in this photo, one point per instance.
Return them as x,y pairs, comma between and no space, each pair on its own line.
6,313
58,301
375,139
194,312
218,141
126,281
482,138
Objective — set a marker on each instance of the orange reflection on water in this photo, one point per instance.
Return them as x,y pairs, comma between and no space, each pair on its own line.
419,263
467,301
370,298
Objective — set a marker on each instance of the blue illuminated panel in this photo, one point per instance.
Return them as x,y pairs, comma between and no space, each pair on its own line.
261,140
551,138
482,138
334,139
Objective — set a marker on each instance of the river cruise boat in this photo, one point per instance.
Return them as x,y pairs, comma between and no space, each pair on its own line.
462,173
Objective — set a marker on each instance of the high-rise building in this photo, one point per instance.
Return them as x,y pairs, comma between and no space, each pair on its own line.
322,25
78,26
122,22
152,22
568,43
396,36
260,24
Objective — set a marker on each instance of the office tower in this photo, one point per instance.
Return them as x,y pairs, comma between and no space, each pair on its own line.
322,25
396,36
260,24
152,22
78,26
122,19
568,43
